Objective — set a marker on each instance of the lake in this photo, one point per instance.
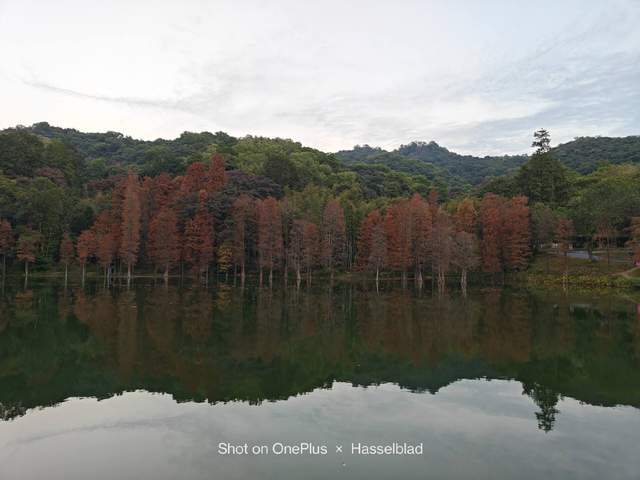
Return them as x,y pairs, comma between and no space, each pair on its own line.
158,382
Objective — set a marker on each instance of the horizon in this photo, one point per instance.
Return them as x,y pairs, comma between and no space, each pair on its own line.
478,78
353,147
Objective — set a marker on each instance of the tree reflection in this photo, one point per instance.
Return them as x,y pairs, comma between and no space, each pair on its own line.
255,344
546,399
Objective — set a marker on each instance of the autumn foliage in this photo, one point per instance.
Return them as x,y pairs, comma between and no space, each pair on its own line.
204,220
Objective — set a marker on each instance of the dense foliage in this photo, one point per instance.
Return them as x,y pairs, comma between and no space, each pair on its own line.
207,201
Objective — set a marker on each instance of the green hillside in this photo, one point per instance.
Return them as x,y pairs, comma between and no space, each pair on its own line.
584,154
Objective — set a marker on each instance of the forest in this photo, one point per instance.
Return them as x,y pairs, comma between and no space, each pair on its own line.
210,204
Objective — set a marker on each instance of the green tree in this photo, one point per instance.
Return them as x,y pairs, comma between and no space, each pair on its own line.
543,179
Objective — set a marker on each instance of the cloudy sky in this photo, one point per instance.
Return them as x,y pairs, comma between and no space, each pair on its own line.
477,77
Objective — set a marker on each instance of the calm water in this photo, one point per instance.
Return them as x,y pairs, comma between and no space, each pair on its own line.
145,383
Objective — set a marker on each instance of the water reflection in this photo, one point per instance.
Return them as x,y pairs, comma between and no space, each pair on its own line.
258,344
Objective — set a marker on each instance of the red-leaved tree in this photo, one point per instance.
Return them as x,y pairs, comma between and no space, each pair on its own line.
491,228
398,228
198,238
217,176
270,244
241,215
420,231
130,226
85,248
466,216
28,244
365,237
164,240
6,242
517,233
333,235
310,247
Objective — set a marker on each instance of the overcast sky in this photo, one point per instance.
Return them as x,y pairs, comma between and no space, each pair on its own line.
475,76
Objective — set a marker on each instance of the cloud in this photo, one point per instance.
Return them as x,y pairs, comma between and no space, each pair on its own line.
477,80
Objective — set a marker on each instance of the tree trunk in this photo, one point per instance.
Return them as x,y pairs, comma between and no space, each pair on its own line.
377,279
83,269
463,281
441,281
66,273
26,269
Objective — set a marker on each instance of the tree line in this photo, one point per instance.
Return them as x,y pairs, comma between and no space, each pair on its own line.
169,223
269,207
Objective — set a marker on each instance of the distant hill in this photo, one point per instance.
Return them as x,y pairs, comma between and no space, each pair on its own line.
115,147
428,159
583,154
423,157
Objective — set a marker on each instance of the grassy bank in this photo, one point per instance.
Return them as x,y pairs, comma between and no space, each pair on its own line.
549,270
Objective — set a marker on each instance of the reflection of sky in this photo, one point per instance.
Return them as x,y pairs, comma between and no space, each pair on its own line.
470,429
478,77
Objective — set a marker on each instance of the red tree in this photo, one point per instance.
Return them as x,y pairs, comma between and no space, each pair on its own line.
130,226
28,244
270,245
420,232
491,227
296,246
465,255
105,241
6,242
105,251
365,237
85,247
217,176
378,252
442,244
398,230
241,213
432,200
116,211
517,233
164,240
310,246
195,179
466,216
66,253
198,238
333,235
161,191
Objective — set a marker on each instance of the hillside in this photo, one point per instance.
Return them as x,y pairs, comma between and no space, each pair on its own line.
583,154
423,157
425,163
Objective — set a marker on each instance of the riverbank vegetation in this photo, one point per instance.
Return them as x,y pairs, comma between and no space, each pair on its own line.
208,204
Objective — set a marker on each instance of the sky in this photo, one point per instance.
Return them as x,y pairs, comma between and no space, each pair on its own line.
476,77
